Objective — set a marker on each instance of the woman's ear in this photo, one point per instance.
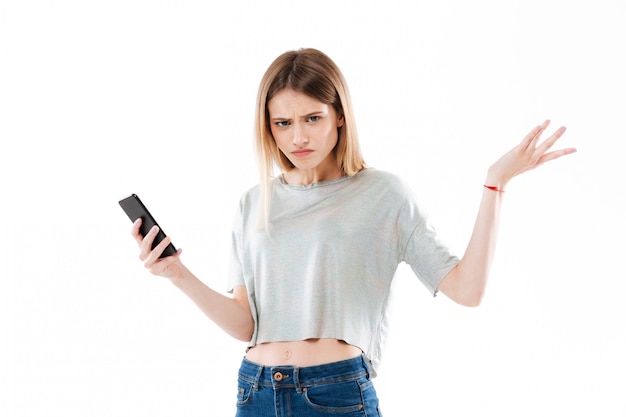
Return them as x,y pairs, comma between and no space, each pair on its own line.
340,120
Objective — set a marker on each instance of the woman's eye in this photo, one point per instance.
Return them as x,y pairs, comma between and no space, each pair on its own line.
282,124
313,118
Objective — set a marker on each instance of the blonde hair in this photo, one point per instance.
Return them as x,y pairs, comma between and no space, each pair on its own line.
313,73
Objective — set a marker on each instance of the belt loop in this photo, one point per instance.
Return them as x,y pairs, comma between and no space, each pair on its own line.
367,364
255,385
296,379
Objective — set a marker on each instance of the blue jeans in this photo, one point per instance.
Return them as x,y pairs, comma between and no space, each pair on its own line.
336,389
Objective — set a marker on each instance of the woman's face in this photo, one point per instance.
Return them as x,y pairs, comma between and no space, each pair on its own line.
306,131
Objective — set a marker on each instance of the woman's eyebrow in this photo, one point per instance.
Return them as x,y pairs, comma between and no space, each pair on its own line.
304,116
313,113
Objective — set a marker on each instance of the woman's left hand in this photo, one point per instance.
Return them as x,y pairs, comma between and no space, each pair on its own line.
529,154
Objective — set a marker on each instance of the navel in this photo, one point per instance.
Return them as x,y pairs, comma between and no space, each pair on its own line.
287,354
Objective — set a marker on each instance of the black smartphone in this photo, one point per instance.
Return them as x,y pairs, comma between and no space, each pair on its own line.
135,209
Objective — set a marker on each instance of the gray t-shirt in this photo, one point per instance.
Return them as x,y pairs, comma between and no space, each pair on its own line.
326,267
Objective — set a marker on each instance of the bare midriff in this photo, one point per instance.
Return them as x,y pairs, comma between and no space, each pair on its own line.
301,353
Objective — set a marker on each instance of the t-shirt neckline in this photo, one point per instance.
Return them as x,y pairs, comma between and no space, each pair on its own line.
303,187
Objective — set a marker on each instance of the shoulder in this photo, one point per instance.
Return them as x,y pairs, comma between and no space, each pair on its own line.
249,200
251,193
384,180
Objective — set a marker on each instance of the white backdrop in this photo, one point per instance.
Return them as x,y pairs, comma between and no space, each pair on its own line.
100,99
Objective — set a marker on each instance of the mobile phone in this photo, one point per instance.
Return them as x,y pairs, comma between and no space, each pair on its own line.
135,209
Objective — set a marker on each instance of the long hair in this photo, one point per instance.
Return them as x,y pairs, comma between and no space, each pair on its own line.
314,74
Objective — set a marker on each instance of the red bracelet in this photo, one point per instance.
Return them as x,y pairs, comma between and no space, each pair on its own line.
493,188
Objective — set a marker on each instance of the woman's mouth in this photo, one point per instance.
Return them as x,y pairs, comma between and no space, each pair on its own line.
301,153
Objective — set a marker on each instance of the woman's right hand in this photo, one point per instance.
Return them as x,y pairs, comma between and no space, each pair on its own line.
169,267
230,313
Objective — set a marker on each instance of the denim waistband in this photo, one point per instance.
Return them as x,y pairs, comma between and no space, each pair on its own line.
297,377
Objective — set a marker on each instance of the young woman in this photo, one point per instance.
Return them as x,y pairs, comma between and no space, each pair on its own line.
314,250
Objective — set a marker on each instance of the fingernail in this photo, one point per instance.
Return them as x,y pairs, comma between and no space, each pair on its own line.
154,229
563,129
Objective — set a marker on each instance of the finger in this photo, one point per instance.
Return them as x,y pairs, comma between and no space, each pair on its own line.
532,135
146,243
155,254
550,156
158,249
535,139
134,231
529,137
548,143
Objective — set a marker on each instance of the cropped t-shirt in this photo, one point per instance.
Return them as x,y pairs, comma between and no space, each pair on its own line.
326,266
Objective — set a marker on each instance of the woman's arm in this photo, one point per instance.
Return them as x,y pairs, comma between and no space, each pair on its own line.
231,314
466,283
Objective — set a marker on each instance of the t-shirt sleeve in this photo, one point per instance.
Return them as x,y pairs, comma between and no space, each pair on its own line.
429,257
235,273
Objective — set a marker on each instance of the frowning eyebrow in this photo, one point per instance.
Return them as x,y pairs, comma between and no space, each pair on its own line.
315,113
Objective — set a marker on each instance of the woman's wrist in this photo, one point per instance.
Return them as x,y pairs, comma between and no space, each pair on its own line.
494,181
179,274
494,188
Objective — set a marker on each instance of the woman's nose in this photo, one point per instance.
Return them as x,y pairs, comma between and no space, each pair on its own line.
299,136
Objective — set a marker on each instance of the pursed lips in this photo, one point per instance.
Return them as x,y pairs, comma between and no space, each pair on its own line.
302,152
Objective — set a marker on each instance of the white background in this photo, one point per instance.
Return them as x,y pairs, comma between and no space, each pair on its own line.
100,99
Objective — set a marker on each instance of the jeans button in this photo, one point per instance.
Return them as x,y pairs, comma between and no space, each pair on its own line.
278,376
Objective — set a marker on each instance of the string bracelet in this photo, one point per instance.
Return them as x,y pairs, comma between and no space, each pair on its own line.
493,188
